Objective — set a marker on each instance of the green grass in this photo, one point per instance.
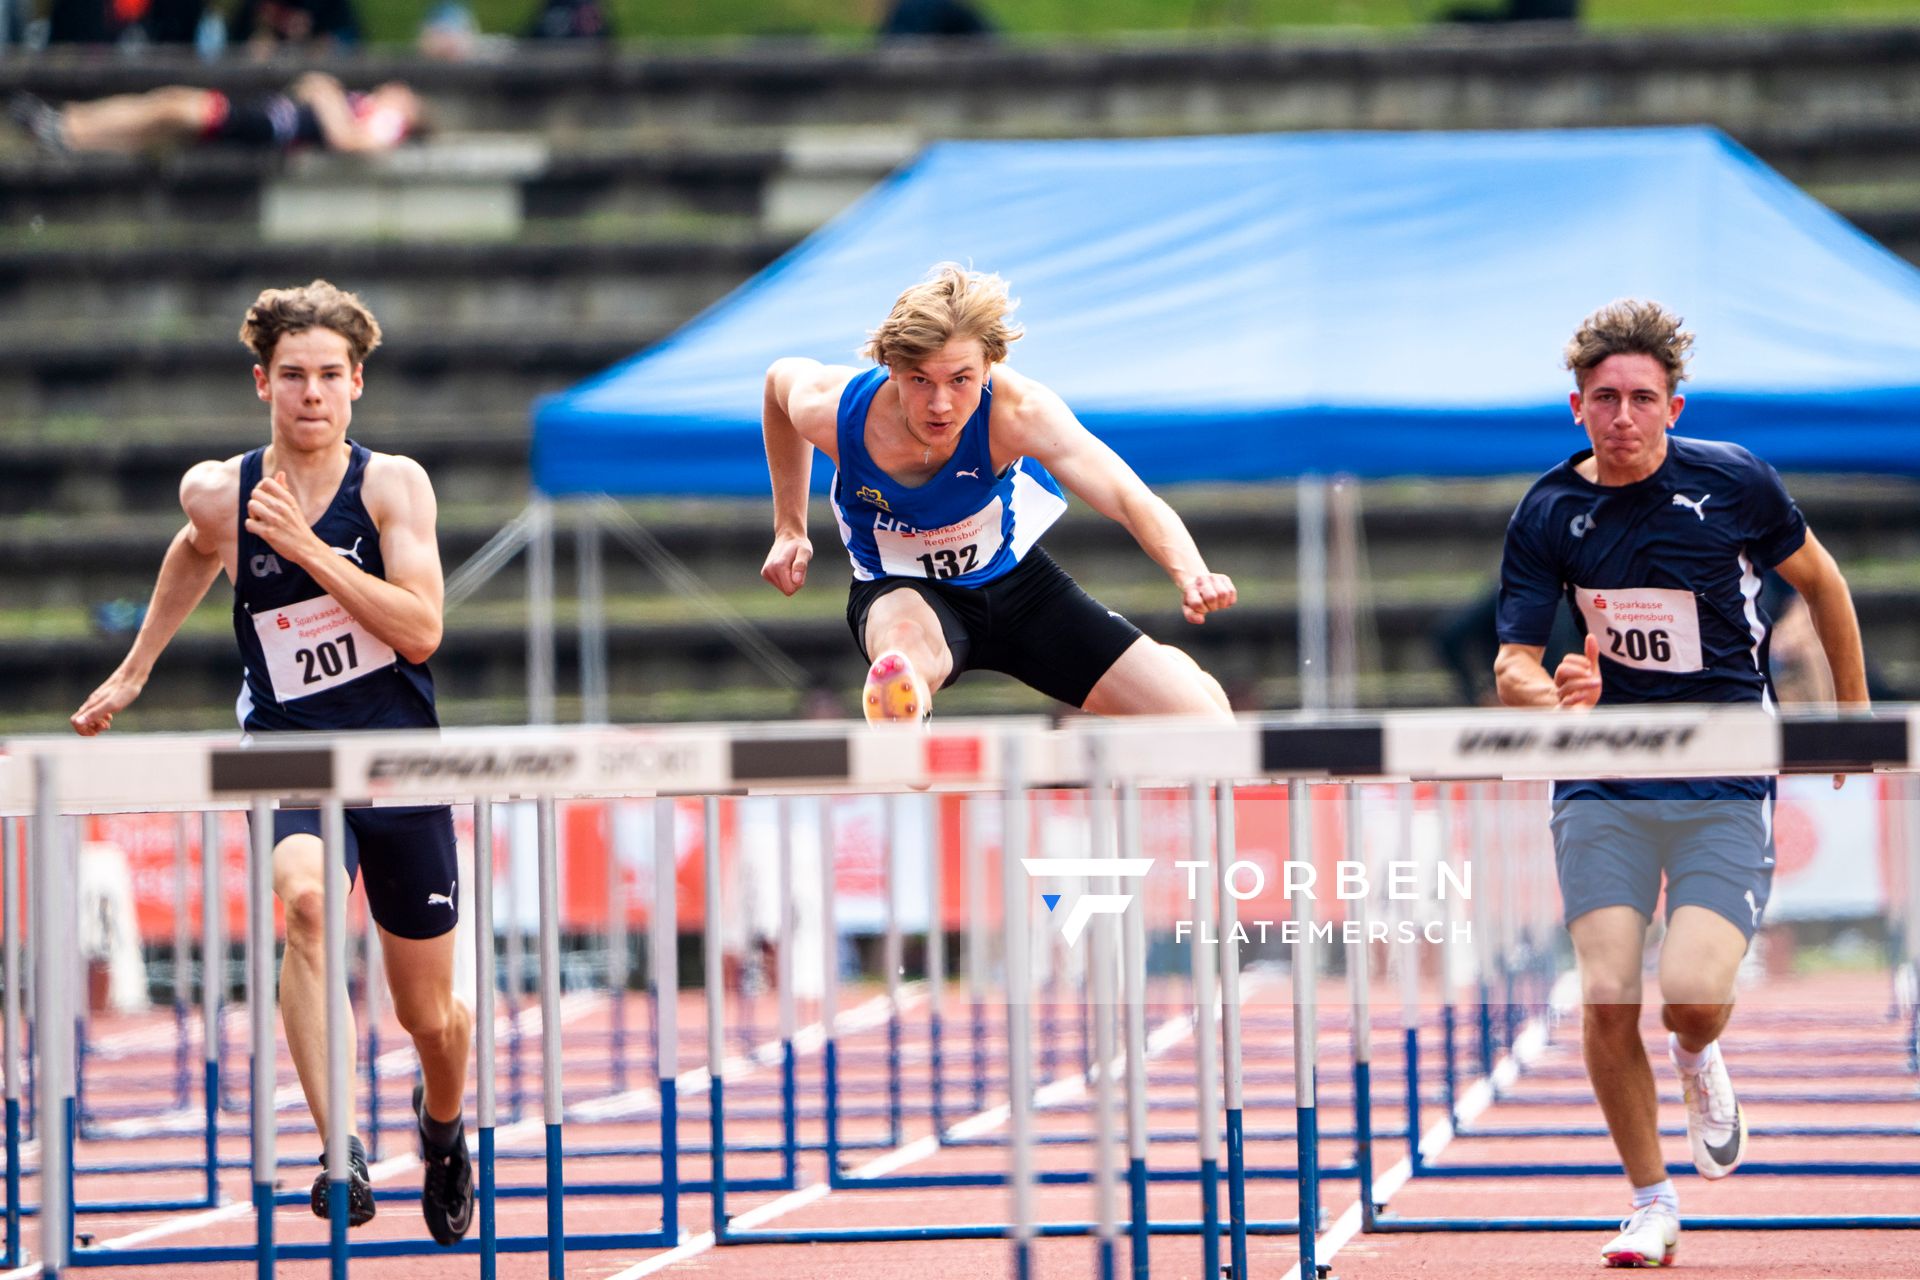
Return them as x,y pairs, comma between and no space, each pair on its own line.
674,19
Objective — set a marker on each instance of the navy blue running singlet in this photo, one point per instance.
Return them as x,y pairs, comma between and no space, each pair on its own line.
308,664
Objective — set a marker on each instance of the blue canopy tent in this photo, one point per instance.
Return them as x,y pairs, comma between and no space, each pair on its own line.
1256,307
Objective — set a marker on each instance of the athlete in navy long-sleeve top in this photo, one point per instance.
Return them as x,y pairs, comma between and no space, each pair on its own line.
1658,542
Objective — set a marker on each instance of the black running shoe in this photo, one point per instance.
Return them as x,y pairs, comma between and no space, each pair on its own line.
40,120
359,1187
446,1194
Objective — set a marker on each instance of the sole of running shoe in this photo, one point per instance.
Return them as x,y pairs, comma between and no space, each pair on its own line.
894,692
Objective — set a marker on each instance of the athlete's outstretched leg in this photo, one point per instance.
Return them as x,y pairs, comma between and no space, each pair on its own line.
298,866
420,975
1698,964
1608,943
910,657
299,863
132,121
1154,679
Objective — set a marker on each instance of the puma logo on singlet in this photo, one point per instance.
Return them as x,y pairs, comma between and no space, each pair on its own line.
1682,500
353,554
964,475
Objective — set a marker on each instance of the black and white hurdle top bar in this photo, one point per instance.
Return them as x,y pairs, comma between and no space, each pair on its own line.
159,772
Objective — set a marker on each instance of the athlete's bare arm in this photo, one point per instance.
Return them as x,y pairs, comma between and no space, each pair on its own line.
798,414
404,609
1520,674
1813,573
1031,421
193,560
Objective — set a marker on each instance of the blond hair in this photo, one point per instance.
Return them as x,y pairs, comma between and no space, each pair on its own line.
1630,327
279,312
951,303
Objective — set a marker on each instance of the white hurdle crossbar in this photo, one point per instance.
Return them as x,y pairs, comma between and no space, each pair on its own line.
51,778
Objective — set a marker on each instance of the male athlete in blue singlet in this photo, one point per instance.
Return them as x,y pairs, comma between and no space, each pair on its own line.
337,606
1658,543
945,479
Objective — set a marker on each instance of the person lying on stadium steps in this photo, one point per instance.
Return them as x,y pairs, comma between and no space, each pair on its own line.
314,111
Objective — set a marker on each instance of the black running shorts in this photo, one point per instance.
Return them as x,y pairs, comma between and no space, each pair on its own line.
1033,623
409,858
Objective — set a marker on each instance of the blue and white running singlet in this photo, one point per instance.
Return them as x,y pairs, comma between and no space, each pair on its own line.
966,526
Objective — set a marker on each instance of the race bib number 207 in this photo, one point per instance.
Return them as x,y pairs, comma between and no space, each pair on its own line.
316,645
1650,628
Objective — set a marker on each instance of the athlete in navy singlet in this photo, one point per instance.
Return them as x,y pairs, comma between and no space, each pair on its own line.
337,606
945,479
1658,543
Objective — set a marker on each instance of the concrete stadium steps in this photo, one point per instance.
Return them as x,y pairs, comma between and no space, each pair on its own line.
130,465
782,180
765,178
200,290
99,375
690,668
484,662
1438,77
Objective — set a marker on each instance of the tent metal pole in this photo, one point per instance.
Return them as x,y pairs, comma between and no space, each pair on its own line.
540,664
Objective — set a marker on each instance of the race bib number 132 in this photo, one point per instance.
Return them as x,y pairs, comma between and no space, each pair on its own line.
1649,628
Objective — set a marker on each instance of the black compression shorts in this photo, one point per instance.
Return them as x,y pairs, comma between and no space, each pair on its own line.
409,859
1033,623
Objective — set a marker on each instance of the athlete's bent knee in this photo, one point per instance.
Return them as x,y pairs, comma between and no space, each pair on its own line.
306,906
1694,1021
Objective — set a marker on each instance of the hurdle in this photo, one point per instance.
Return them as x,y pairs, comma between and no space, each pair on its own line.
1109,761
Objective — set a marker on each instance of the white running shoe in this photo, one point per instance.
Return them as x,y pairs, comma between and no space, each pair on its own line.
1716,1126
1647,1239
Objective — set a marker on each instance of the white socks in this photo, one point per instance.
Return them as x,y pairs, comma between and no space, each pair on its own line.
1691,1061
1661,1193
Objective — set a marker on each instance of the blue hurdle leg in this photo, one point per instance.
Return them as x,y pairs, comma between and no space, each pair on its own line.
13,1182
717,1179
213,1132
489,1226
263,1229
1413,1098
789,1116
1237,1193
556,1207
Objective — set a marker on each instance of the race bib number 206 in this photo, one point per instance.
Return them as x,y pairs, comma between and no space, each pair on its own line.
316,645
1650,628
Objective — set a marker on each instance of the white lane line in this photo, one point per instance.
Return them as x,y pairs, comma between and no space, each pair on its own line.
394,1063
863,1017
572,1007
1526,1047
1162,1038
